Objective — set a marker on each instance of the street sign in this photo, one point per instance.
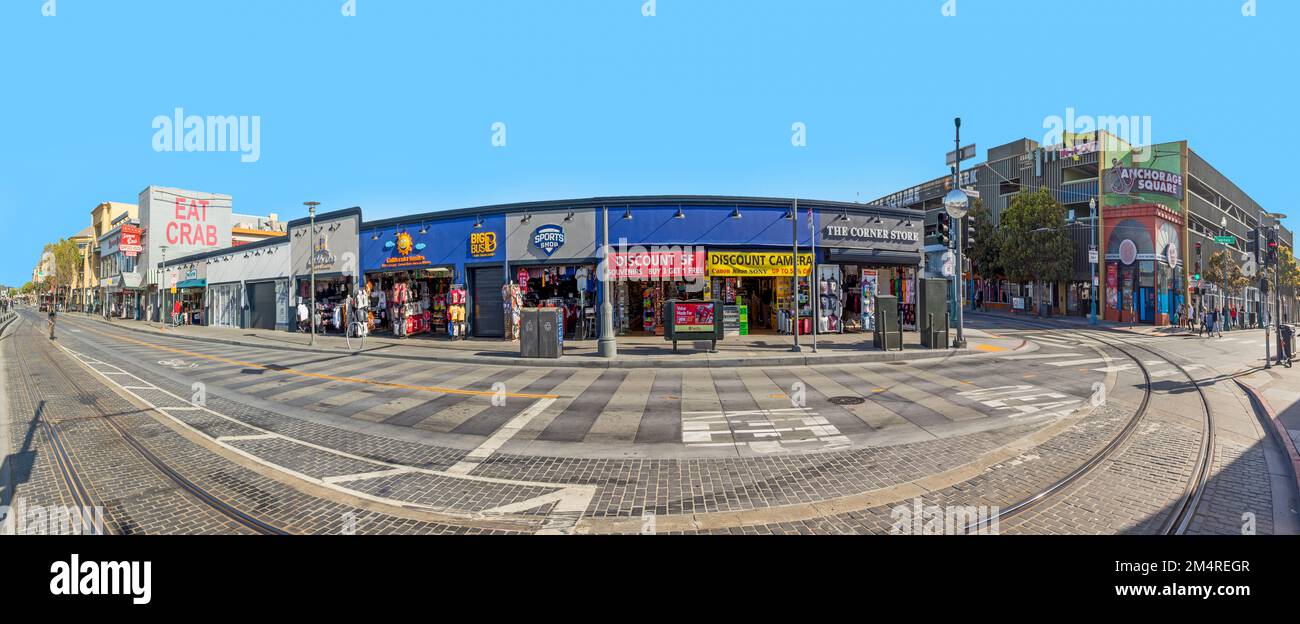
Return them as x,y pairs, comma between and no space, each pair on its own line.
1226,240
1249,268
967,153
1092,256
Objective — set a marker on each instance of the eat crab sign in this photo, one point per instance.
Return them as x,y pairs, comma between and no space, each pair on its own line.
189,225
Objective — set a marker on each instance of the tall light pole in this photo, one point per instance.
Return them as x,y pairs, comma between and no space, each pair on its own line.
607,346
1223,291
162,292
311,264
1093,258
794,274
956,203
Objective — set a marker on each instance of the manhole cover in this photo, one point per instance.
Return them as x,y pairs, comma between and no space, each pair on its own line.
847,400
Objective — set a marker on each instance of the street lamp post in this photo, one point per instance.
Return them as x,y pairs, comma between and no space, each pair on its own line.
1223,290
956,203
311,264
794,275
1092,249
162,292
607,346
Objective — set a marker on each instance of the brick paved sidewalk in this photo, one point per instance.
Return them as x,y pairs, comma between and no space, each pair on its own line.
634,351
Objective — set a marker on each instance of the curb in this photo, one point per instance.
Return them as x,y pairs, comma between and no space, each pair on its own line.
731,362
1287,443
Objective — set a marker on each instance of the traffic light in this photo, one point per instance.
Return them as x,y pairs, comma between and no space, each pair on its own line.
1257,246
969,240
1272,246
943,229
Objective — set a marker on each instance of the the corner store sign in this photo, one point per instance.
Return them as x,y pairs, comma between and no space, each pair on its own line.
756,264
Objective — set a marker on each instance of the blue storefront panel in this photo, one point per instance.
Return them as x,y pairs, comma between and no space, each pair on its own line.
708,225
453,242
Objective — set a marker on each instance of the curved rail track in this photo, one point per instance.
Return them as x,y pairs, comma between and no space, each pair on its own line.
66,464
1184,509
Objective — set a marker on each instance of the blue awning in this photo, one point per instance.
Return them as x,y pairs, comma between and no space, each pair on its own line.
194,283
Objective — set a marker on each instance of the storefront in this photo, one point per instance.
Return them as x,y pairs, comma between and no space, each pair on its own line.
248,287
553,257
332,252
435,275
187,282
642,279
755,288
1143,275
864,256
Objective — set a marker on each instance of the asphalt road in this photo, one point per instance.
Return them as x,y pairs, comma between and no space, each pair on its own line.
330,443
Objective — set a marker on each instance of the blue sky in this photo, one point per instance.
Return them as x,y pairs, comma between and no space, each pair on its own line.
392,109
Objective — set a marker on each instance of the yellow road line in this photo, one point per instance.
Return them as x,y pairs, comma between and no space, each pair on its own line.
291,371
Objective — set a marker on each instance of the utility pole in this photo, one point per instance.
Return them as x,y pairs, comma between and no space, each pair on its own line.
311,263
1092,257
956,203
162,283
608,345
794,274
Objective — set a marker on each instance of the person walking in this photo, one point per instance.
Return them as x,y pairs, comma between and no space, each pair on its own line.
52,317
303,316
1234,317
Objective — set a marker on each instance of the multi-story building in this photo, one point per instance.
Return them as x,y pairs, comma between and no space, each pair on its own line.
102,219
245,229
1160,208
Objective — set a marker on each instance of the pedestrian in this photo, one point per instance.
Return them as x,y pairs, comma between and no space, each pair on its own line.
303,315
1234,316
51,316
1286,334
1205,322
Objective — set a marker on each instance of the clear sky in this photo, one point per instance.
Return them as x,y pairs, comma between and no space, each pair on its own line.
392,109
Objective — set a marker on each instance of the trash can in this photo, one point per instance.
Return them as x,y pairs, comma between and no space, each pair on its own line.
541,333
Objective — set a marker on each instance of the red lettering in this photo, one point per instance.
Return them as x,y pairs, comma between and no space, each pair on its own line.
177,211
171,233
185,234
204,204
212,235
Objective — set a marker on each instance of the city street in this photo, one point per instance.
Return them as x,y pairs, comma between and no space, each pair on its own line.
1063,429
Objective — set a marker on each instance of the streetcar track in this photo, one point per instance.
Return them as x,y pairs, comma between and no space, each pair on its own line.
1179,518
66,465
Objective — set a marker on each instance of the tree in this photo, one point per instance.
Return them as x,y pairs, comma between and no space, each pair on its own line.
1225,272
985,254
1034,246
67,263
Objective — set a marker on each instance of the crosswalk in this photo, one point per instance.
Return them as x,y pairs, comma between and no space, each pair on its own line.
756,410
1066,353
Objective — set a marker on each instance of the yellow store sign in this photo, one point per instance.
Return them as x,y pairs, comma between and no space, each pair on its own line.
756,264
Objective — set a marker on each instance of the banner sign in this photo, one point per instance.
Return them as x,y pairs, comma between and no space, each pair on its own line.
1112,286
129,244
869,280
756,264
656,264
693,317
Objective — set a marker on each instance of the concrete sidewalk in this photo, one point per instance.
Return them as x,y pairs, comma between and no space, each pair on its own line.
1274,390
634,351
1076,321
